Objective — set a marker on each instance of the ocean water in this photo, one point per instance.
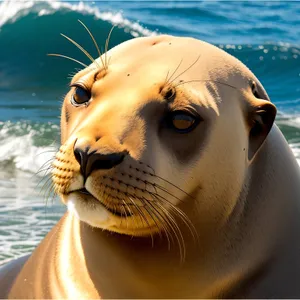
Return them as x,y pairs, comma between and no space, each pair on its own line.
264,35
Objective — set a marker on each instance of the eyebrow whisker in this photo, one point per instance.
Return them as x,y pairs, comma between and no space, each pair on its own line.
106,46
95,43
207,80
167,79
81,48
187,68
68,57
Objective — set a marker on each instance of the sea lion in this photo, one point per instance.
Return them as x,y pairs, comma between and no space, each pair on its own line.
177,182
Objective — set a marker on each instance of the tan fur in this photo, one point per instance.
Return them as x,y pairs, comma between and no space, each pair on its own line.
215,211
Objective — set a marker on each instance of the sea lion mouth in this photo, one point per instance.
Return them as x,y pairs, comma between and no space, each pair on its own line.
88,196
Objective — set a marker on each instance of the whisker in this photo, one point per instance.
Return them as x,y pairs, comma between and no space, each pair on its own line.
125,207
165,180
48,151
153,175
207,80
129,209
167,81
47,181
134,204
126,217
163,223
44,168
154,220
47,189
48,161
162,189
95,43
106,46
106,196
151,216
81,48
54,194
46,165
145,218
136,207
171,223
175,229
44,179
45,211
187,69
67,57
148,166
50,190
189,224
46,171
70,76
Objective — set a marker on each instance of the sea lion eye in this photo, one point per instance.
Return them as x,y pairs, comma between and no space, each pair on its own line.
183,122
80,96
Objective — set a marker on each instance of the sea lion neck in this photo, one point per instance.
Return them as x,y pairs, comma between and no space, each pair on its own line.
155,248
156,270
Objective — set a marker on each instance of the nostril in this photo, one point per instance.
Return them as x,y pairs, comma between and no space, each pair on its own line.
105,161
78,155
91,160
82,158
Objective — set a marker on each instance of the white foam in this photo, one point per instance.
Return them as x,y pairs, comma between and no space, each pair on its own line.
11,10
291,120
20,149
296,150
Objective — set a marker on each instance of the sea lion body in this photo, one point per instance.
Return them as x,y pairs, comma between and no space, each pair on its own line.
230,172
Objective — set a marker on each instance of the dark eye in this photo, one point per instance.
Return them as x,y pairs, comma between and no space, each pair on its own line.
183,122
81,95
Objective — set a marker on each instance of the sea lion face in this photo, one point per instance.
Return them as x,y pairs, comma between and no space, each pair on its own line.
163,134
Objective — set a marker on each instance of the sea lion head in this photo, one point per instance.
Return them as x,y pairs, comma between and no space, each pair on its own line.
159,131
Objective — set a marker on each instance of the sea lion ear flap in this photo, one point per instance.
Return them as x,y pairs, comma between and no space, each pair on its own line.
261,117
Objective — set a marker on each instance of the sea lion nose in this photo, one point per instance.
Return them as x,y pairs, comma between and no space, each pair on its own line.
91,160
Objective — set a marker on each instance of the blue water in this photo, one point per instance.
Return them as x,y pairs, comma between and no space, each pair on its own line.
264,35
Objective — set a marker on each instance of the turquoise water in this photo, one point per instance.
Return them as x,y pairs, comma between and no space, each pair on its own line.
264,35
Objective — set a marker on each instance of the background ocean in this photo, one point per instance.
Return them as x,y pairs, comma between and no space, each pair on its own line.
264,35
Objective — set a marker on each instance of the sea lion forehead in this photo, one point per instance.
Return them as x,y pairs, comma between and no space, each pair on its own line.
185,58
165,46
156,61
